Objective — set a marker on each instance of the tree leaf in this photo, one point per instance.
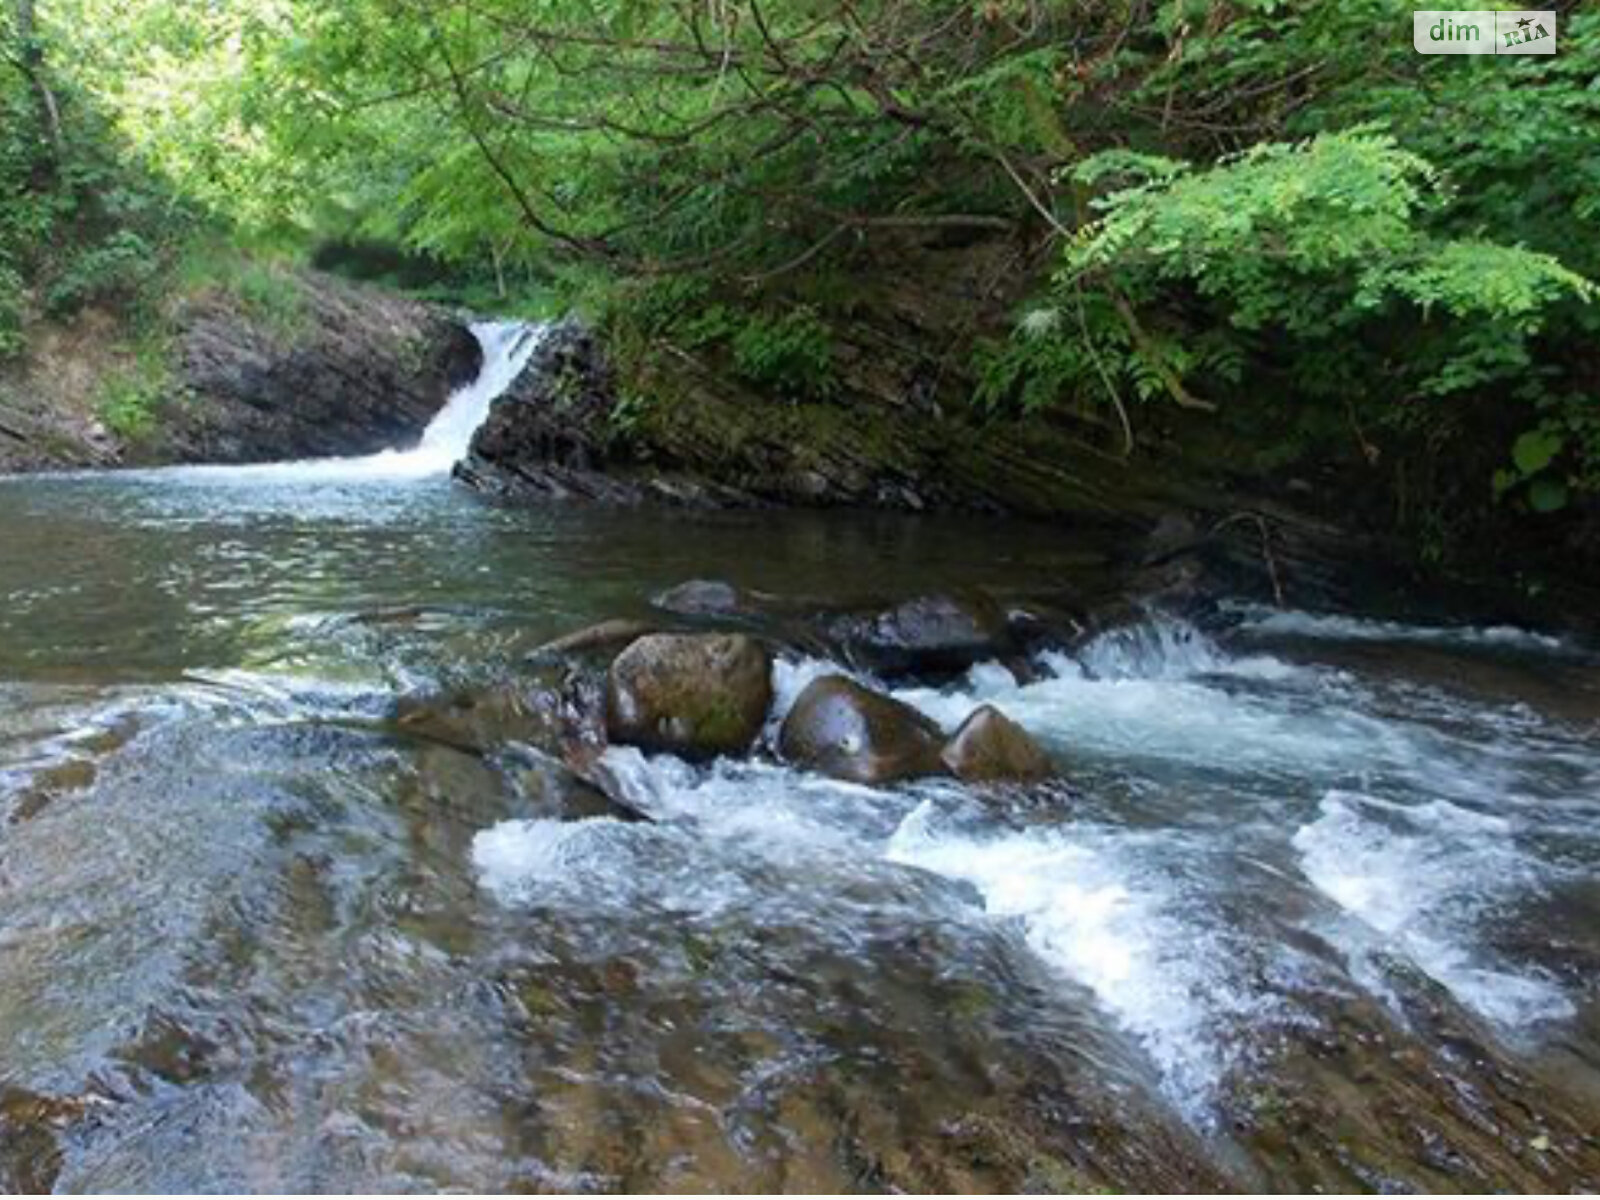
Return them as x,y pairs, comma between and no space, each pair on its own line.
1547,495
1535,450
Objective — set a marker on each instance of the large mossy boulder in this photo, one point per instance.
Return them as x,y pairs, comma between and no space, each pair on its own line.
850,732
992,748
694,695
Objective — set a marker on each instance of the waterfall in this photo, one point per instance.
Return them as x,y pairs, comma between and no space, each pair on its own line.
507,346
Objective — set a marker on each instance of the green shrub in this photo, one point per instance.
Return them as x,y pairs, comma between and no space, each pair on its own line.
791,353
131,398
119,268
11,311
272,295
1329,251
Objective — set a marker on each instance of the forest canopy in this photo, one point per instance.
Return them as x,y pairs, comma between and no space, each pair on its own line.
1270,196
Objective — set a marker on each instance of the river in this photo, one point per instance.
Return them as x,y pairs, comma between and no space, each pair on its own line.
1314,903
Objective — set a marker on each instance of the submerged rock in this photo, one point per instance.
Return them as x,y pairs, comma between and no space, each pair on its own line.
850,732
553,791
558,711
473,720
33,1128
694,695
927,635
703,598
991,748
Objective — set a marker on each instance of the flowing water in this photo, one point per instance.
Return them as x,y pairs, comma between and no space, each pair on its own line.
1314,903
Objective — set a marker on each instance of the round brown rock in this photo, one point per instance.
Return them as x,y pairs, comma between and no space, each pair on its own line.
850,732
991,748
694,695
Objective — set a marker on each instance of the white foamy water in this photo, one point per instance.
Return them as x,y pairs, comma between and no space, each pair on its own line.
1255,800
762,814
1165,649
1338,627
1091,910
518,859
1423,877
1166,691
507,346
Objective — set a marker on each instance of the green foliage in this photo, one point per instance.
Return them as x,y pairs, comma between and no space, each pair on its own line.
721,138
629,413
271,291
1335,248
1535,450
11,311
1273,209
1453,352
115,269
131,397
1030,373
792,352
1311,235
83,223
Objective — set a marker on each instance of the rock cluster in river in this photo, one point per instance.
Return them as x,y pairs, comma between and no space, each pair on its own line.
706,693
709,695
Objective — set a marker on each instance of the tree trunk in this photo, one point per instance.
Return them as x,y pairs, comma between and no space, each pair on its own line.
30,61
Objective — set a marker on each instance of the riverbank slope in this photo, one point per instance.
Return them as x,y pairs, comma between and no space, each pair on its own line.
277,363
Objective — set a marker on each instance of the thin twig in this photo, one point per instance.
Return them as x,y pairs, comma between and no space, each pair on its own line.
1266,549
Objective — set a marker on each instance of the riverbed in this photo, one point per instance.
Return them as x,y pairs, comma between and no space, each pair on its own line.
1313,902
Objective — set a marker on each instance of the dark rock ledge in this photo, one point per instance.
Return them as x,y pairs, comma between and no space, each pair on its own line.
361,370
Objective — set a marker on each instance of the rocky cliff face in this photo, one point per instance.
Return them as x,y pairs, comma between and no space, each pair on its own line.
561,433
894,434
360,370
347,370
895,427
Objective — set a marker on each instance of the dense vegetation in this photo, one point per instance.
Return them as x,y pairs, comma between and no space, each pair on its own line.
1388,254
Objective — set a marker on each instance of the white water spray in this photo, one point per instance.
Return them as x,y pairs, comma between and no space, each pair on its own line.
1245,768
507,346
